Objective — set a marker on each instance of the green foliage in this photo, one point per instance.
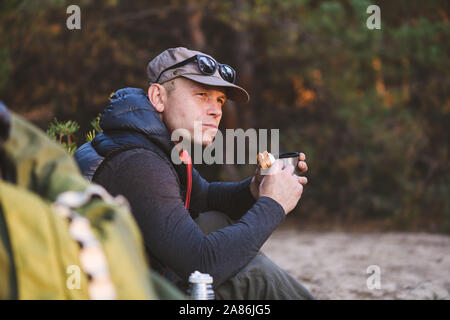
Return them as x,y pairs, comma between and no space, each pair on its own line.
64,133
90,135
95,124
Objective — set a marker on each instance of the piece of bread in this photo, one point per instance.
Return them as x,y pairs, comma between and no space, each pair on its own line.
265,159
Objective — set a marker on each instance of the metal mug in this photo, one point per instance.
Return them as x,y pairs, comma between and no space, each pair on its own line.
289,158
266,160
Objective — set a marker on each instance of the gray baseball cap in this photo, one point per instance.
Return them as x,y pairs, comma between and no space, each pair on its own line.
190,71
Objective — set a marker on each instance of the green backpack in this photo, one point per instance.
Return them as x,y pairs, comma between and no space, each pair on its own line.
62,237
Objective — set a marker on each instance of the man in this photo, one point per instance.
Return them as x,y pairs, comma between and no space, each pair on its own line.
189,224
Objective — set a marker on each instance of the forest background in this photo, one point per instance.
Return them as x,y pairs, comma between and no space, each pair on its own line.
369,108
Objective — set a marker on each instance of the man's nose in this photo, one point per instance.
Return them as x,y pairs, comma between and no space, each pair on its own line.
215,109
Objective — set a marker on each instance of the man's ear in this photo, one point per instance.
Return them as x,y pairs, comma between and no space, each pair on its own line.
157,95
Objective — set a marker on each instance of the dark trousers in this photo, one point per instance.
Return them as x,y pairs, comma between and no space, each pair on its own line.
260,279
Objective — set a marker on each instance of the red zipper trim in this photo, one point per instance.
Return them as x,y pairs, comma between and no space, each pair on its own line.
184,156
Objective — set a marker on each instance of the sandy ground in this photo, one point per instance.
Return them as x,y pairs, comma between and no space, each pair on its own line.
333,265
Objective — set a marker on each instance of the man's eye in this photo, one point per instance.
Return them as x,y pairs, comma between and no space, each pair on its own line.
203,94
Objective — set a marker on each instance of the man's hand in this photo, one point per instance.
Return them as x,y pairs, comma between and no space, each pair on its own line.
258,177
282,185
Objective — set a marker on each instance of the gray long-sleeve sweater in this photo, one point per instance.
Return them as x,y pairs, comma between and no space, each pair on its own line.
171,235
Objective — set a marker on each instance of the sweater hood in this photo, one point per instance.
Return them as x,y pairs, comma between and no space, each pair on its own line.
129,121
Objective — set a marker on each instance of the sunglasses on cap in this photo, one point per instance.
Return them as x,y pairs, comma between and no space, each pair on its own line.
208,66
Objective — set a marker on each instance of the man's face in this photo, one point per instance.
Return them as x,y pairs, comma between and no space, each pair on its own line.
194,107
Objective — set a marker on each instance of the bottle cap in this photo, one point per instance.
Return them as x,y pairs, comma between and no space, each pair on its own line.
198,277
